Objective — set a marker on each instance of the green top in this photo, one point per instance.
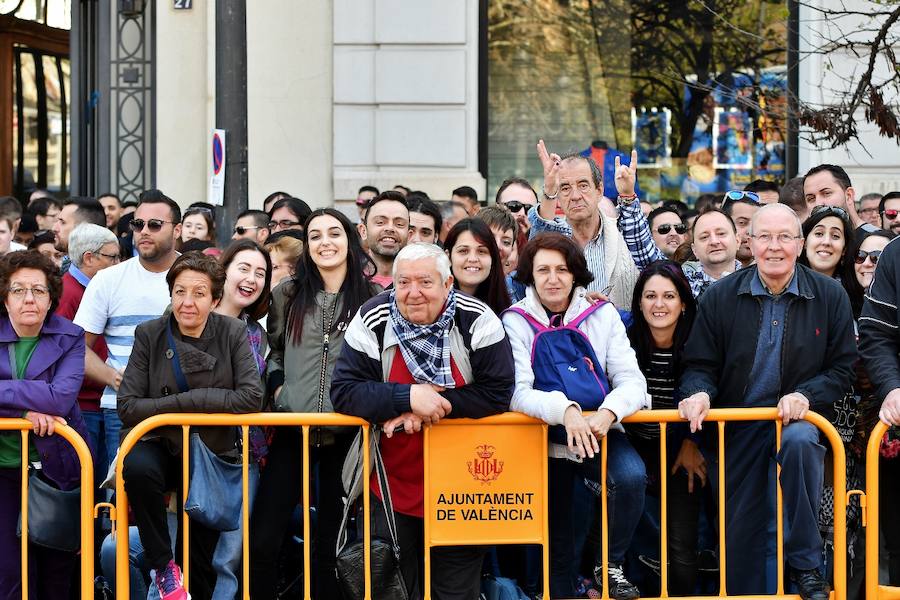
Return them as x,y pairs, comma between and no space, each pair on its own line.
11,441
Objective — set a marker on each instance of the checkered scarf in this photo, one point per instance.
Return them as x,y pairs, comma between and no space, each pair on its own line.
426,348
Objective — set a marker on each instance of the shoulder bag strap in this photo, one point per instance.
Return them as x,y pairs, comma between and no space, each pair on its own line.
586,313
172,355
535,324
386,502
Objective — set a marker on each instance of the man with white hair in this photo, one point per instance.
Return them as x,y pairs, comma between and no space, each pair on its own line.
412,356
772,334
91,248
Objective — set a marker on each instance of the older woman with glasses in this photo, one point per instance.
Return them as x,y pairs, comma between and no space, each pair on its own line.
193,360
40,382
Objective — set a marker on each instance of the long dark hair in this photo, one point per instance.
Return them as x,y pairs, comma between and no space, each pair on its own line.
492,291
260,306
818,214
639,333
307,281
848,275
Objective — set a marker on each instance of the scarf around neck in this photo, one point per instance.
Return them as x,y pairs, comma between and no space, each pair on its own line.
426,348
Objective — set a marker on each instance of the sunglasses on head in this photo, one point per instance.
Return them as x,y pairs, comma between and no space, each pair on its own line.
862,255
154,225
735,195
516,206
891,213
680,229
241,230
832,210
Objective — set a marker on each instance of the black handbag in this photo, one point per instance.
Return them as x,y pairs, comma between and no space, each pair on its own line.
386,578
54,519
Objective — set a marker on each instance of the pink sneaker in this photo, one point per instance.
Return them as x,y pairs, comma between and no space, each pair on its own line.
170,583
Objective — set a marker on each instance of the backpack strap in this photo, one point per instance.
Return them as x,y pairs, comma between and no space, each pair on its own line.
535,324
585,314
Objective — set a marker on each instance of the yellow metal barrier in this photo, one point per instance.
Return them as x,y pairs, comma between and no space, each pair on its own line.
485,458
469,439
874,590
87,500
187,420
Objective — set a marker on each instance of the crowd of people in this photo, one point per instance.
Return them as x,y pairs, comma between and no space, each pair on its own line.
578,306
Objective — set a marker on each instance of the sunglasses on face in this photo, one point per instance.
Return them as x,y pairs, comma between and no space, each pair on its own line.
516,206
664,229
891,214
240,230
154,225
862,255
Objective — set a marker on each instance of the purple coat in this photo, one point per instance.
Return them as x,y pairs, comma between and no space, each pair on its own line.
51,383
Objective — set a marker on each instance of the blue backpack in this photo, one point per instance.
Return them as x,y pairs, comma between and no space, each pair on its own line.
563,360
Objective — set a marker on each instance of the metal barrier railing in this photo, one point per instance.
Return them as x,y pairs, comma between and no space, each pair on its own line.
482,470
718,416
244,422
87,500
871,519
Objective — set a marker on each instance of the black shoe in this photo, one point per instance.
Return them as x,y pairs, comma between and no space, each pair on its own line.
619,587
810,584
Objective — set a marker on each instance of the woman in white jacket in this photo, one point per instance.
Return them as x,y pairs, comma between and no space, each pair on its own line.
555,272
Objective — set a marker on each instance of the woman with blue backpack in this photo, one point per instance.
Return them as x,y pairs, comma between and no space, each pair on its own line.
573,356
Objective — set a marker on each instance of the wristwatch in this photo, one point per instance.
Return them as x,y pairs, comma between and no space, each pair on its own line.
548,196
626,200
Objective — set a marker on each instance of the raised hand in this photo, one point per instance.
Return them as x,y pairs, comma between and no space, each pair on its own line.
626,175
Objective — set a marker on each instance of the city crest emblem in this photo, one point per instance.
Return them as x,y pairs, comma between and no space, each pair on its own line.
485,468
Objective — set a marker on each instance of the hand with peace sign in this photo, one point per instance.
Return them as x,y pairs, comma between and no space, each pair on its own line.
626,175
550,163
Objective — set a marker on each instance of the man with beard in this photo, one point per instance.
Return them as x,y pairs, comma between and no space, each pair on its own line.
889,209
714,242
385,230
829,185
75,212
121,297
741,206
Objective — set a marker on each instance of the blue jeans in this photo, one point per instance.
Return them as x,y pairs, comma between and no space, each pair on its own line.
139,584
626,484
103,426
227,556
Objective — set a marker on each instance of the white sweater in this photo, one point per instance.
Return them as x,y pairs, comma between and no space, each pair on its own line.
606,333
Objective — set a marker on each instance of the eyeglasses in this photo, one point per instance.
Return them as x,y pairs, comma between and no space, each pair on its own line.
832,210
783,238
241,230
680,229
891,213
154,225
872,210
111,257
735,195
38,292
516,206
283,224
196,210
862,255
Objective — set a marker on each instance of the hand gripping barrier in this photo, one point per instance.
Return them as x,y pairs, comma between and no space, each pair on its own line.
87,501
479,473
871,506
493,452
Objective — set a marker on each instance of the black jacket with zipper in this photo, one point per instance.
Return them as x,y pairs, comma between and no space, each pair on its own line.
817,353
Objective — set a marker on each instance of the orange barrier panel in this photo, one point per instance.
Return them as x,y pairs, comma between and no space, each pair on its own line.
454,448
874,590
504,455
87,500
